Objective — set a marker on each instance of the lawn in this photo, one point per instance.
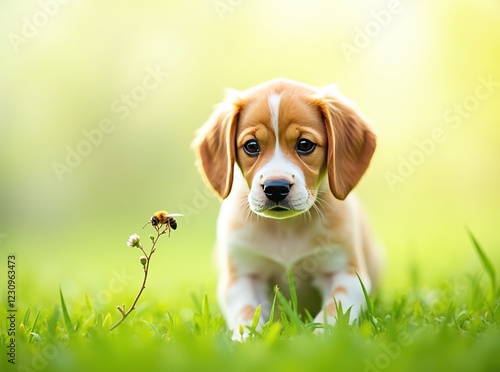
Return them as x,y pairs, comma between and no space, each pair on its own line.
451,327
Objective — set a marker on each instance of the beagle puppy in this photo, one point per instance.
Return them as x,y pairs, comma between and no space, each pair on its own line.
284,157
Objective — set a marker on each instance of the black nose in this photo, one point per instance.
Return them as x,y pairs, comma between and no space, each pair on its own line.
276,190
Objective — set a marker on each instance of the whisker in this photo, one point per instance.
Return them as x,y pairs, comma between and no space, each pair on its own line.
243,203
318,201
320,213
308,216
322,200
248,213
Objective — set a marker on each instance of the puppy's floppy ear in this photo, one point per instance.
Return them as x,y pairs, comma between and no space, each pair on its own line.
351,142
214,145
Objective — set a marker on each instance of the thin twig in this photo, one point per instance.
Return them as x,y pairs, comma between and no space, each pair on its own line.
146,269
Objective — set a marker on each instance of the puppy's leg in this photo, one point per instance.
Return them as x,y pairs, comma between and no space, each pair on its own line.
239,298
341,288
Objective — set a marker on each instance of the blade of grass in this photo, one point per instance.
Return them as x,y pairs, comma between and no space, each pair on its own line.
36,336
33,328
369,303
309,316
293,292
98,321
273,334
153,327
88,323
418,313
196,302
485,261
343,318
67,319
106,323
285,322
292,315
255,321
205,310
26,317
256,317
271,314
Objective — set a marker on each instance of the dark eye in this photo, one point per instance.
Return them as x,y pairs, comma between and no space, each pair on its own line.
251,148
305,147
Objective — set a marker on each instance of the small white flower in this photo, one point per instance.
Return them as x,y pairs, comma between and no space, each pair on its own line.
134,241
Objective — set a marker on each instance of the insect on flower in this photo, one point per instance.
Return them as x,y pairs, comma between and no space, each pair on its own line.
158,220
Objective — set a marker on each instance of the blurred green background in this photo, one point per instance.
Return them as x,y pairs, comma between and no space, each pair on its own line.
413,67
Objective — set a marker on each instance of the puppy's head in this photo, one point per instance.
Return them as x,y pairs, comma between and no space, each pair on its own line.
285,137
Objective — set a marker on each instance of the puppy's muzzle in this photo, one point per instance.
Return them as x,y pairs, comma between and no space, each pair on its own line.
276,190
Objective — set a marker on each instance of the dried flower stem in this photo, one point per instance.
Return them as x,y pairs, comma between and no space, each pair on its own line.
121,309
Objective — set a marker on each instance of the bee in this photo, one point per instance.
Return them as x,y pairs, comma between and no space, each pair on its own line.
164,218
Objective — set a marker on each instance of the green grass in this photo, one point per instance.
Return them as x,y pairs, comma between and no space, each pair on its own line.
452,327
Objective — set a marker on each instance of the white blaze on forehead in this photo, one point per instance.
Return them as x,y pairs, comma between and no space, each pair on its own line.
278,164
274,105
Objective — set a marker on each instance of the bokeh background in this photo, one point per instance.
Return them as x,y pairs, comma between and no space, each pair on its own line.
413,67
